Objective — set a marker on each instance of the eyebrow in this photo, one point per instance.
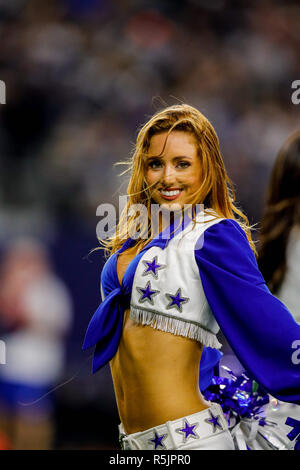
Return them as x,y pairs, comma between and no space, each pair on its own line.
160,157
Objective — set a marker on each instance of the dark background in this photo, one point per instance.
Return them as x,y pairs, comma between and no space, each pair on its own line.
81,76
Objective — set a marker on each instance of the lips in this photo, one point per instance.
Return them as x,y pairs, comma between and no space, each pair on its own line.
171,193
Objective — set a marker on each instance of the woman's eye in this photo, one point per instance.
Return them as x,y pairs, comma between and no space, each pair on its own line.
154,164
183,164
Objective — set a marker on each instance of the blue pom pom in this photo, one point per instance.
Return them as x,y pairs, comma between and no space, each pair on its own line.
239,397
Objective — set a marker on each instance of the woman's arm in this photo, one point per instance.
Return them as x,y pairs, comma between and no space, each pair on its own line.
258,327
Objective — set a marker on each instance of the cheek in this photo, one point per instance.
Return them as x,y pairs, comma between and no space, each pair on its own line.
151,177
194,181
197,175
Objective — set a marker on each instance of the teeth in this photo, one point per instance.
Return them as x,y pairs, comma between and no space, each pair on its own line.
170,193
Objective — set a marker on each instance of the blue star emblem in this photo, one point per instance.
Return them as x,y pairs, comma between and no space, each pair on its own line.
188,430
176,301
152,267
147,293
157,441
214,421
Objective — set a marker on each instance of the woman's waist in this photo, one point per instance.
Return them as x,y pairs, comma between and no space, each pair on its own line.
143,408
155,381
150,395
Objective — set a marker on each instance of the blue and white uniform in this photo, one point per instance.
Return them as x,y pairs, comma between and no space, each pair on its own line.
191,280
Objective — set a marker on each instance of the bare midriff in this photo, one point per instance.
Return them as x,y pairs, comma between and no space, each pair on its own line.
155,373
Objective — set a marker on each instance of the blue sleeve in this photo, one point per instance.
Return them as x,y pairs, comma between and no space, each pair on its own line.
210,359
259,328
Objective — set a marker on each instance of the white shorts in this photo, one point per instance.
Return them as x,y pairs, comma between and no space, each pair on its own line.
269,431
206,430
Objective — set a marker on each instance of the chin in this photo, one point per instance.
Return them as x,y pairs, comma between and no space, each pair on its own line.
174,206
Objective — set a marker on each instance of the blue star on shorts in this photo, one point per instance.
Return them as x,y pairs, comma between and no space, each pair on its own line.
188,430
157,441
214,421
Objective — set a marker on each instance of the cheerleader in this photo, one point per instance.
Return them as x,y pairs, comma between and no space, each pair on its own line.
174,276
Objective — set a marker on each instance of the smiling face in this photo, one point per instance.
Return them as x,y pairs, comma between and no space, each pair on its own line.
175,175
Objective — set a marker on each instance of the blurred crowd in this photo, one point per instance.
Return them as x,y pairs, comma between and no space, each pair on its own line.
35,314
82,75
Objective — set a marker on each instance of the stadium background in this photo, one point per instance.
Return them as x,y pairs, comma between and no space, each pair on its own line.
81,76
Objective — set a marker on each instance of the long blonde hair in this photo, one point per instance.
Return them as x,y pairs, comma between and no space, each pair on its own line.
215,192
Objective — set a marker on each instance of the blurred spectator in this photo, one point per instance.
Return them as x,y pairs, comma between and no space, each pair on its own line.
35,312
279,251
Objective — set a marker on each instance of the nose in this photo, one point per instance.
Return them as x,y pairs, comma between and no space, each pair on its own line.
169,176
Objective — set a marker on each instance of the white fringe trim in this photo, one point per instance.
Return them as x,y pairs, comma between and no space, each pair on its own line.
176,326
